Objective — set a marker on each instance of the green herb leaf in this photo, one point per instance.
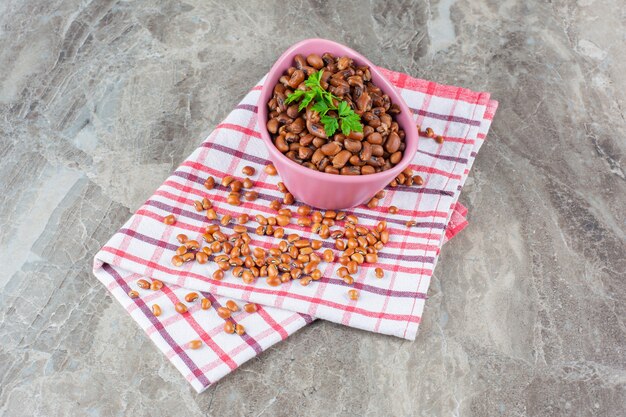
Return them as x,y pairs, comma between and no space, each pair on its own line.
306,100
314,79
344,109
323,102
351,123
330,125
295,96
320,107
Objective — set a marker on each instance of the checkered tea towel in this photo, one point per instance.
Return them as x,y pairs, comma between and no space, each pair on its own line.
171,332
392,305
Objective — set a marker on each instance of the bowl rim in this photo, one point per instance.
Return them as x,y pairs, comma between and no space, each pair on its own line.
387,87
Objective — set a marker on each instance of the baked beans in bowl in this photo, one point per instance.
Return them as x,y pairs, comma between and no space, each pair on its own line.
335,128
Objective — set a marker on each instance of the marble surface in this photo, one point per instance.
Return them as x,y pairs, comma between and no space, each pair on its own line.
100,100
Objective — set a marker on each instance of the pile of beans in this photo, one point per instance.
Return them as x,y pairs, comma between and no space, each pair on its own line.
292,258
302,138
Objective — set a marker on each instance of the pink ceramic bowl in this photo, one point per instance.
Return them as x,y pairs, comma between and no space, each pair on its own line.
319,189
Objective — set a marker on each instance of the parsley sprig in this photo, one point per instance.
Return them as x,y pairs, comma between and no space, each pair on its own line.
324,102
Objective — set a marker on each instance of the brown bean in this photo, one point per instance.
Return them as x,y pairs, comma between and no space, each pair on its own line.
218,275
429,132
156,285
250,308
169,219
395,158
351,218
371,258
202,257
288,199
296,79
224,312
180,308
233,199
133,294
177,260
328,255
272,126
142,283
301,243
331,148
191,297
229,327
232,306
270,170
239,329
304,221
350,170
209,183
251,195
227,180
340,160
247,276
248,170
205,304
281,144
348,279
195,344
353,294
418,180
316,129
392,144
211,214
236,186
156,310
353,146
315,61
273,281
296,127
248,183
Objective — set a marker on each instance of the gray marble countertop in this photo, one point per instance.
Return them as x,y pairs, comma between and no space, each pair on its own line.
101,100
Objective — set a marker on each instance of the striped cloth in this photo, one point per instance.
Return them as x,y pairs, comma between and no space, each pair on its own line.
393,305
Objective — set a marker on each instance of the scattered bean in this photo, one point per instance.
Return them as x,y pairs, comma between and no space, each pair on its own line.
232,306
195,344
270,170
224,312
229,327
250,308
142,283
156,310
191,297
